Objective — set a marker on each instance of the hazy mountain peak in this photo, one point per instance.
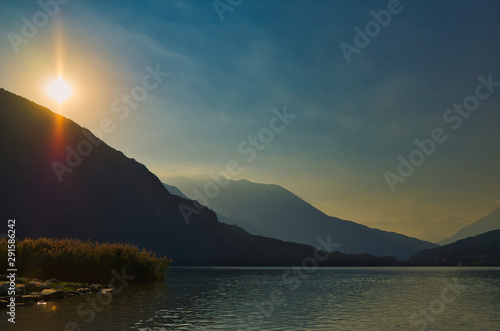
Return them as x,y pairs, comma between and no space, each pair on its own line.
488,223
279,213
109,197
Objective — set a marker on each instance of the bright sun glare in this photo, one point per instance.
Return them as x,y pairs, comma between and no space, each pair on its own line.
59,90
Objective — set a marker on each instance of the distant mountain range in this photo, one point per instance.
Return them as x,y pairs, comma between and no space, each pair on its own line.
248,227
273,211
424,228
485,224
481,250
58,180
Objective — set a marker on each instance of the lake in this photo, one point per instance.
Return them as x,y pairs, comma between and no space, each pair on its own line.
395,298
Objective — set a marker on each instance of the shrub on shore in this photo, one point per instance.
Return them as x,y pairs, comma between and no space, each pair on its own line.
81,261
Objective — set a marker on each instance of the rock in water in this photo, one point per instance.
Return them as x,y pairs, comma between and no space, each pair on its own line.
49,295
36,286
31,298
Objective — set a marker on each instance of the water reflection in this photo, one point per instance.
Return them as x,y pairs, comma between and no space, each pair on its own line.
328,299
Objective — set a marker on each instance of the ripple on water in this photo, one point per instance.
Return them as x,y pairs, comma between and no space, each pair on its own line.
329,299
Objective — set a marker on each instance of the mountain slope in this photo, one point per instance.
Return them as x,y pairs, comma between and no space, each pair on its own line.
103,195
175,191
281,214
242,224
485,224
424,228
483,249
248,227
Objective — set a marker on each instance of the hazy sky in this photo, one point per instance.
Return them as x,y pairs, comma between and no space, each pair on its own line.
355,115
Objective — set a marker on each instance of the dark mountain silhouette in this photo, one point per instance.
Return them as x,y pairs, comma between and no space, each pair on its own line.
248,227
242,224
105,196
488,223
483,249
280,214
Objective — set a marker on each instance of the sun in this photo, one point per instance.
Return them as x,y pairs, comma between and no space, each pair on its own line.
59,90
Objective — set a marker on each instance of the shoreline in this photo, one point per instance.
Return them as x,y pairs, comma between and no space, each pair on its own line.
31,291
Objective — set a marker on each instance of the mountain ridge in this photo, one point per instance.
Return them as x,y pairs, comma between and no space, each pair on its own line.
480,250
283,215
484,224
424,228
109,197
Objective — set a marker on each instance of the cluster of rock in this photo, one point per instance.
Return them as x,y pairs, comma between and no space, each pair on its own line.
30,291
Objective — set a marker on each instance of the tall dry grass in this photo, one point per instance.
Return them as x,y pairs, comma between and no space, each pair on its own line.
82,261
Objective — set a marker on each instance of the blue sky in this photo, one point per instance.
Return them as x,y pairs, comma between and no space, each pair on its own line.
225,77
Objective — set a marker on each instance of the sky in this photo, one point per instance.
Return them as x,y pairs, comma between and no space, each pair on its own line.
360,82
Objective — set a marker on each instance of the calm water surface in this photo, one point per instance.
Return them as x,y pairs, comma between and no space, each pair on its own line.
281,299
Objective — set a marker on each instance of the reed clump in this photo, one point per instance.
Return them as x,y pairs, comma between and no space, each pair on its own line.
82,261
